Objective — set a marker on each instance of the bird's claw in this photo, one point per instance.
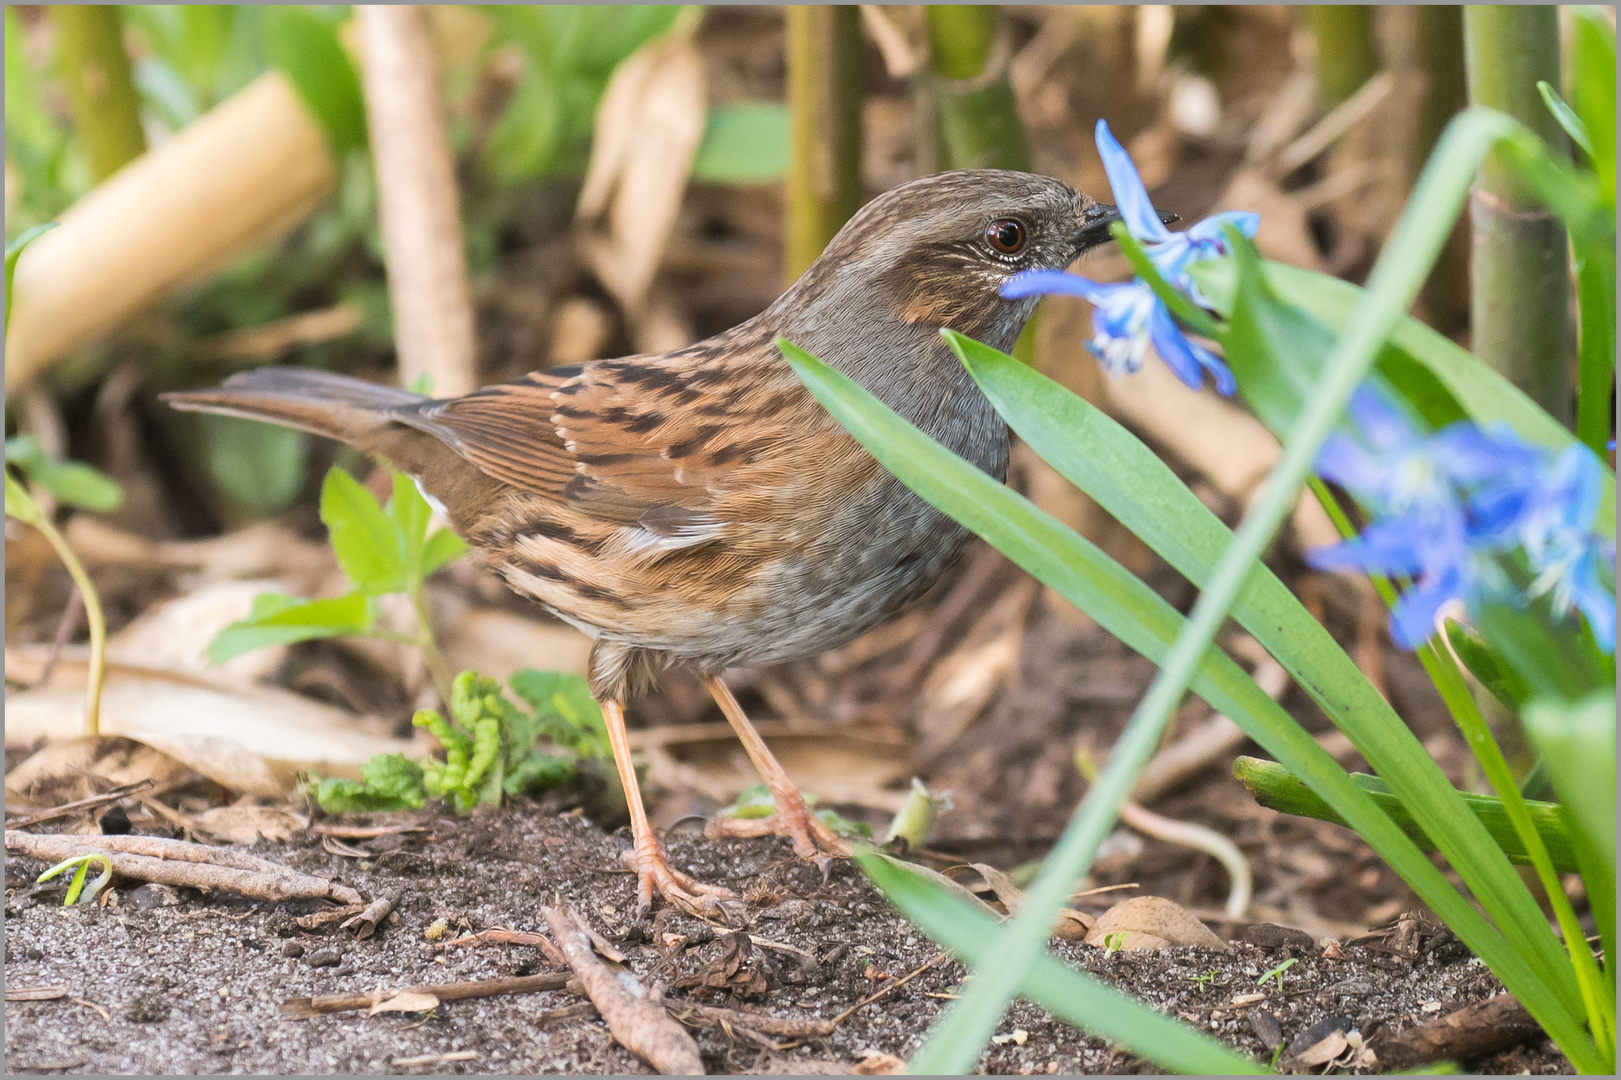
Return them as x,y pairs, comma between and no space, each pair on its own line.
793,821
680,891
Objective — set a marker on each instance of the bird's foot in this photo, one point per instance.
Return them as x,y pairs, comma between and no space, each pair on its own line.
792,820
655,874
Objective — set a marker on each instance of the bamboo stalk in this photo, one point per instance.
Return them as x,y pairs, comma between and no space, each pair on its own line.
975,117
95,72
1520,268
824,108
1440,49
1276,788
417,202
240,175
1346,54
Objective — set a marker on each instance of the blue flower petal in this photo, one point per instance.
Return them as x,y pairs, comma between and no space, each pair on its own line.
1412,619
1054,283
1173,348
1212,230
1344,461
1129,193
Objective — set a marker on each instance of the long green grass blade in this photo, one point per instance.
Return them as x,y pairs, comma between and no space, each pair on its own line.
1075,996
1275,788
1131,611
1129,480
1392,286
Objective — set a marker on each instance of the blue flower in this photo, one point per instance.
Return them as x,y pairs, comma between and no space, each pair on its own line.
1127,317
1449,506
1556,529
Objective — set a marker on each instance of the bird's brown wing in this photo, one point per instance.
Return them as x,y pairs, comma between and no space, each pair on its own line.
610,440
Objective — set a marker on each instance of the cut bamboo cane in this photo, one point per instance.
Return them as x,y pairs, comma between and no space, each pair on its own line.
417,202
824,109
239,176
1520,267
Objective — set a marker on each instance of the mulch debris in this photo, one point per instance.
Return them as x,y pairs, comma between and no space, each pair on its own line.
203,985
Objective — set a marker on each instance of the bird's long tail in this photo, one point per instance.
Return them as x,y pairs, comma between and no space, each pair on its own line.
319,402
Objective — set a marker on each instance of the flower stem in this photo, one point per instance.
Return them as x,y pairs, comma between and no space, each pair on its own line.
1466,712
1520,269
92,614
438,666
824,134
1449,683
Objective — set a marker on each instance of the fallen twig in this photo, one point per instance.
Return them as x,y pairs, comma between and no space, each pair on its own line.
1482,1028
117,793
435,1059
174,862
896,985
501,936
35,993
304,1008
640,1024
694,1015
362,832
365,923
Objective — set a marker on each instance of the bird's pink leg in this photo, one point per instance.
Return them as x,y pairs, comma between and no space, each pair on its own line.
792,819
647,857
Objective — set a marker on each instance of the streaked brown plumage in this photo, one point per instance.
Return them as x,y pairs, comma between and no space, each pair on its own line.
698,507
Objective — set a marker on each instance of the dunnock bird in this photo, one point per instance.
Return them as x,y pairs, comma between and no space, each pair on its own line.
699,507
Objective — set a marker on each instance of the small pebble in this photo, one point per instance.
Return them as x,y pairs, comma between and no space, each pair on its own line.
324,958
153,895
292,950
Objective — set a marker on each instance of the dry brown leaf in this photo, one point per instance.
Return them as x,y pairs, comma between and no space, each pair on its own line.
176,634
841,767
497,643
878,1063
49,775
264,549
248,739
648,128
405,1001
245,823
1072,925
1151,922
1321,1053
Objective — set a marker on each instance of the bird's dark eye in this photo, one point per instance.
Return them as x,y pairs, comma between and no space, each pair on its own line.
1006,235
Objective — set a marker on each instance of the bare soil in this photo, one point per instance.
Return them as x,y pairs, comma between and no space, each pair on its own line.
196,986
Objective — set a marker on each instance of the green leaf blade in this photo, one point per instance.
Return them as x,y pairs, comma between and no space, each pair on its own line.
306,47
364,538
283,620
1140,618
1075,996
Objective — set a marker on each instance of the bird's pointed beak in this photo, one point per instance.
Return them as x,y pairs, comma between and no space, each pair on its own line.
1095,224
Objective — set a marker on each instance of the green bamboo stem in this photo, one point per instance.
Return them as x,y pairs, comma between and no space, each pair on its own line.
1276,788
824,108
1440,50
960,38
1346,54
96,74
1520,314
975,121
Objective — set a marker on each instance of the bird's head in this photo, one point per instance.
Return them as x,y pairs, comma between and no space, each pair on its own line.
935,252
